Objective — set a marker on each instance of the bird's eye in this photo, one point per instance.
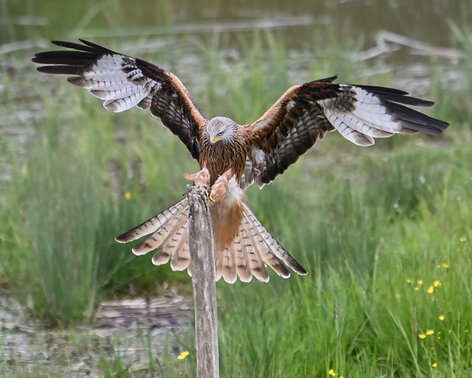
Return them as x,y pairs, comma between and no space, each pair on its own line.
220,134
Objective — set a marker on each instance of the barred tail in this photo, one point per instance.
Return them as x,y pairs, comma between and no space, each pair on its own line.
250,252
167,231
246,257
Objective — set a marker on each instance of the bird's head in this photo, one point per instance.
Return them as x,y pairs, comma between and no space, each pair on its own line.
221,129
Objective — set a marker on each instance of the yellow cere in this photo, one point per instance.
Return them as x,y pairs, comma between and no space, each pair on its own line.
430,289
422,336
441,318
437,283
430,332
182,355
127,195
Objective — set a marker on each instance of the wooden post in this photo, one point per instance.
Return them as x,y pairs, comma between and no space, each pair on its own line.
202,267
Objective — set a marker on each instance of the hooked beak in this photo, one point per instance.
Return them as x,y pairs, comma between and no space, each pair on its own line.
214,139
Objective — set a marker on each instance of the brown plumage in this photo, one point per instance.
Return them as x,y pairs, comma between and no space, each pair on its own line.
233,156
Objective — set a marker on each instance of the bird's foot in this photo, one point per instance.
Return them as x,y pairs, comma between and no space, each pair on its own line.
201,178
219,189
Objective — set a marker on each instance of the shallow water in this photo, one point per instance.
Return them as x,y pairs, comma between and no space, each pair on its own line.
427,20
126,330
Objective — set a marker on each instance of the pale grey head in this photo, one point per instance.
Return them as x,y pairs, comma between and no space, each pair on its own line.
221,129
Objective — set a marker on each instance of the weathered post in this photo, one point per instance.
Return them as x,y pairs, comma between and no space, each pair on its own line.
202,267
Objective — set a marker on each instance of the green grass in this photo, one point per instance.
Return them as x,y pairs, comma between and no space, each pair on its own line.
356,313
368,224
66,203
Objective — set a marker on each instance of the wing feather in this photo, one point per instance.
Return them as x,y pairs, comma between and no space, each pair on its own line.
305,113
124,82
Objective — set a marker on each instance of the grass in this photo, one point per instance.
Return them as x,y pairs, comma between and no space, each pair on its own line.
384,231
358,312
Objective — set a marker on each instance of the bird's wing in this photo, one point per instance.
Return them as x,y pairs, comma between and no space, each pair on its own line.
125,82
304,113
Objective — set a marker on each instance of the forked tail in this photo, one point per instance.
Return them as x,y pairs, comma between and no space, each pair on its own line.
247,256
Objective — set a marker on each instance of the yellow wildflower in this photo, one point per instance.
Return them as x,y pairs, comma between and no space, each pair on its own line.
420,282
417,288
127,195
438,266
437,283
445,265
430,289
434,365
463,239
422,336
441,318
331,372
430,332
182,355
408,281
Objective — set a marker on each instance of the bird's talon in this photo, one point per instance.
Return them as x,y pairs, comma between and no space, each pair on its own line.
211,197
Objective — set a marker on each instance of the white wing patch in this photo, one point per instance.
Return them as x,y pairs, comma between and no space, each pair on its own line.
346,129
368,119
116,79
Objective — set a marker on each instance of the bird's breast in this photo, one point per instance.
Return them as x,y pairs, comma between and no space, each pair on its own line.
219,157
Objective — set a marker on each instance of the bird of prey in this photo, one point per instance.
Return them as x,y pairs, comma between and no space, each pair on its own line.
233,156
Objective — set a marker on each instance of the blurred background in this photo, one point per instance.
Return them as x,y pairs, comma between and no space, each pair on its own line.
383,231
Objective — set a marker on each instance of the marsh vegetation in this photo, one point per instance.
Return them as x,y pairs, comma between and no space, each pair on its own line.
385,232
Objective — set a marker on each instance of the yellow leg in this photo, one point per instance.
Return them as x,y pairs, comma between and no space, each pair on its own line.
221,186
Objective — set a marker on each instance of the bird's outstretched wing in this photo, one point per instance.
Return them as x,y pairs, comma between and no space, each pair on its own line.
304,113
124,82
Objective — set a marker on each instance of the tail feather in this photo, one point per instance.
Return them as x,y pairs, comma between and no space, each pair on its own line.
274,246
161,257
174,246
254,260
171,242
180,253
241,260
218,265
265,251
247,256
151,225
162,235
225,265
